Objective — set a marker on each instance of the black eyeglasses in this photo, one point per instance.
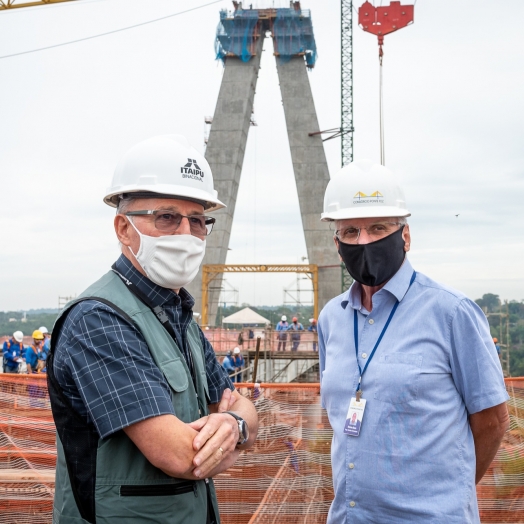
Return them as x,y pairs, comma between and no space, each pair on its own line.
169,221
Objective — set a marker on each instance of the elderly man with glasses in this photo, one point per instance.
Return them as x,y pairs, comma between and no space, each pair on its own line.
145,414
409,358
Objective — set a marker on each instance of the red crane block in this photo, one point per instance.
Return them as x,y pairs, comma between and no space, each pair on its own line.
383,20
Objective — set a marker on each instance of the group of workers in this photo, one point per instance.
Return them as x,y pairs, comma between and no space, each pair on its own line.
234,363
295,328
146,416
16,358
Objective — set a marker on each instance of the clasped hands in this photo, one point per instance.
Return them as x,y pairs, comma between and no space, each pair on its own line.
216,439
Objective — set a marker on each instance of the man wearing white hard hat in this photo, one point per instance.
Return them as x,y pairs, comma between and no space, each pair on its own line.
282,327
145,414
413,359
13,352
239,363
47,338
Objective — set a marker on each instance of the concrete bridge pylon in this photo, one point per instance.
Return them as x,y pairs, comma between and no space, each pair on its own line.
227,142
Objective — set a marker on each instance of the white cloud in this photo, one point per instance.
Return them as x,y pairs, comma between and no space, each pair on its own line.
453,114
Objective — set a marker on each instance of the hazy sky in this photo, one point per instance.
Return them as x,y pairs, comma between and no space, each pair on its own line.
453,111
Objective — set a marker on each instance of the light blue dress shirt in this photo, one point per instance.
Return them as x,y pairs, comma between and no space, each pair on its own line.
414,460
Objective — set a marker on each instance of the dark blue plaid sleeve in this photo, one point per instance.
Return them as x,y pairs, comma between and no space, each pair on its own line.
105,368
217,378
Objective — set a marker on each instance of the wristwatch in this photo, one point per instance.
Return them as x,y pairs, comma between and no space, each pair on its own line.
243,430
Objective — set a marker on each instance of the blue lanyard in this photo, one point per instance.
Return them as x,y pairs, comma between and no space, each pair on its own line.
355,317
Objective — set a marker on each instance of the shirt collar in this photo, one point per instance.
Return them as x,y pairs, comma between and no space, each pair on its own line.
397,285
160,295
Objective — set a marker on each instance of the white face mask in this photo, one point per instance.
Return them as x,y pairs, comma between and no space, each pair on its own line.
171,261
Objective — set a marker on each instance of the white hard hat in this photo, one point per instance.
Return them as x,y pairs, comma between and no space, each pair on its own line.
236,351
284,318
43,329
166,166
363,190
18,336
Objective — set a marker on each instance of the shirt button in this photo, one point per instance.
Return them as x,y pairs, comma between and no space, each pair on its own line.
364,355
352,503
351,465
371,321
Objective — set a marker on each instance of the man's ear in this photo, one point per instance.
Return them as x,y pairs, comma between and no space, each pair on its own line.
123,230
406,235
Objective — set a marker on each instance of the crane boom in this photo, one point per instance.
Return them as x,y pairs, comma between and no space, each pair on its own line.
13,4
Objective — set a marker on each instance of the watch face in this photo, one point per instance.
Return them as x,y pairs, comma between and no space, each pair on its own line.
243,431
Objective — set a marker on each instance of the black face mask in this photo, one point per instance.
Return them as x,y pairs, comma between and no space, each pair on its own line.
374,263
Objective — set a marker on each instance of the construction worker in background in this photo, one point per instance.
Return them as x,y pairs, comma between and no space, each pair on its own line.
282,335
145,414
33,353
415,362
13,351
239,363
313,328
47,338
497,347
295,327
228,363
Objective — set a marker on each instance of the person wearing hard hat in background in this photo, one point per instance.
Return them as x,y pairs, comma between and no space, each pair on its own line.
33,351
295,327
282,327
413,358
145,414
313,328
238,362
497,347
228,364
13,351
47,338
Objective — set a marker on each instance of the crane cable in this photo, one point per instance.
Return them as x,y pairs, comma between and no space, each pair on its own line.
381,109
111,32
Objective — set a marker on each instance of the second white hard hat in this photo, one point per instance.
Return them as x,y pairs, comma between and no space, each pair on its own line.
43,329
164,166
18,336
236,351
284,318
363,189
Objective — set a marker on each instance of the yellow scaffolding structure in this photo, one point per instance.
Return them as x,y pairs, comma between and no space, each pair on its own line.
211,271
12,4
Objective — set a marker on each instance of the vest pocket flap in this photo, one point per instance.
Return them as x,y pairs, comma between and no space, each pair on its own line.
175,373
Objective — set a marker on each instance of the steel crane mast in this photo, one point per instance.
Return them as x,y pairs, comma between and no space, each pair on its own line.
346,80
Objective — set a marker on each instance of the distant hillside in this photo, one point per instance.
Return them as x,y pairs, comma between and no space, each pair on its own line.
35,318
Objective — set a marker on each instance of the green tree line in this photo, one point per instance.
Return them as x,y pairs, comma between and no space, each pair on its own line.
490,303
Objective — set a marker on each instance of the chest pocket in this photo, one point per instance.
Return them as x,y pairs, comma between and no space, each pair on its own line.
175,374
399,378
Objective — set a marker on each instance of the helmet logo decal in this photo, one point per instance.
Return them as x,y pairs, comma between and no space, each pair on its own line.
192,170
375,198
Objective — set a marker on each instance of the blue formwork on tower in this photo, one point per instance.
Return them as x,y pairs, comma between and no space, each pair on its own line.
293,35
291,29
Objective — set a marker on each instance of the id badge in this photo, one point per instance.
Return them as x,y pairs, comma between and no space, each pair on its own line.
354,417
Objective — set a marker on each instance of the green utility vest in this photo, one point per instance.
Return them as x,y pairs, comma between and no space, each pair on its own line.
128,488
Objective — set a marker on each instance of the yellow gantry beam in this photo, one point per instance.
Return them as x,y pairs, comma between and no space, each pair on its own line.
211,271
13,4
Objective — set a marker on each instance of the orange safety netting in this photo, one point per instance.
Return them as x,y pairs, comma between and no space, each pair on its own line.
501,492
286,477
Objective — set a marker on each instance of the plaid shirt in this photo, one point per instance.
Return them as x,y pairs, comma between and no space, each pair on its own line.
104,366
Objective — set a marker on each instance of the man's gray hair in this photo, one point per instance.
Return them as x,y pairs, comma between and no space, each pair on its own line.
123,205
403,221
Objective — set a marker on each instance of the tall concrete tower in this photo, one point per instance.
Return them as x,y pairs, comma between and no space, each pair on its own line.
239,44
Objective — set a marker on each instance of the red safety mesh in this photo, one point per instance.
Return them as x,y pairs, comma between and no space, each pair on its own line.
285,478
